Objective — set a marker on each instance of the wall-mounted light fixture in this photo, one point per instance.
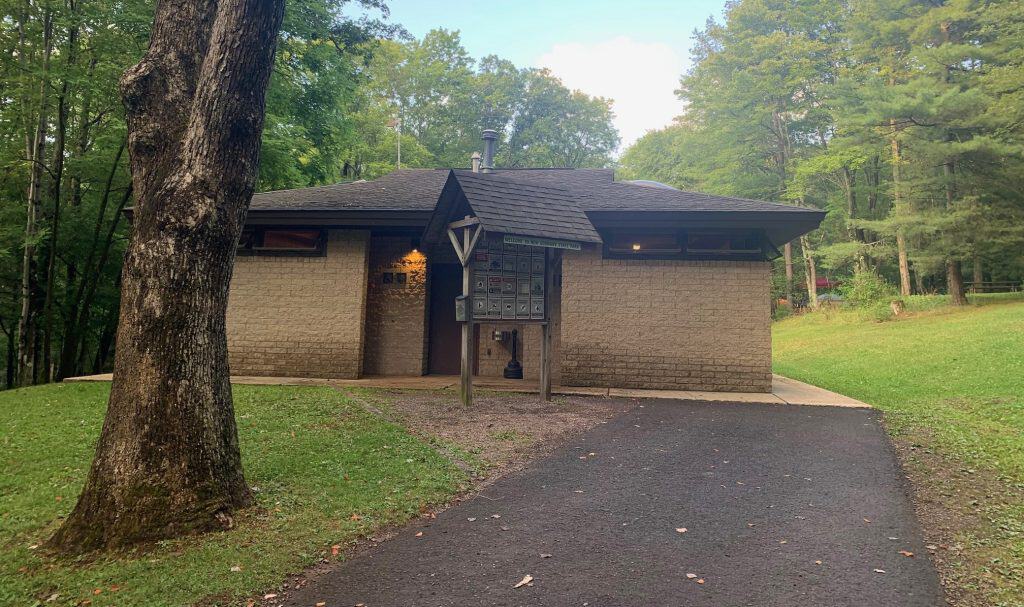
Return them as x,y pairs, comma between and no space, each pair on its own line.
636,246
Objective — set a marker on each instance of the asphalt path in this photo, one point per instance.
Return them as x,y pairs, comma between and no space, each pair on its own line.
672,503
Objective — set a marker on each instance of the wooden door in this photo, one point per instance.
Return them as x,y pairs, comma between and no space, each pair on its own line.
444,346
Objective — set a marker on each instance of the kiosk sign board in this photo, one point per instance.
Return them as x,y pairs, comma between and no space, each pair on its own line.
508,281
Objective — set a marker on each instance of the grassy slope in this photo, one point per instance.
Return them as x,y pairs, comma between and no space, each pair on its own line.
313,457
953,382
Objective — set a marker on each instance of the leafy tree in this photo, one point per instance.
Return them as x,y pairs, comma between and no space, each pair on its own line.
441,99
59,300
900,117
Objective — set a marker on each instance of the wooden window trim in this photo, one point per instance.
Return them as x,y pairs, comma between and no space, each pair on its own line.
258,232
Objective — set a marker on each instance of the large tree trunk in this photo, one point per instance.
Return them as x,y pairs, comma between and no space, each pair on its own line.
168,462
904,263
810,271
897,205
955,283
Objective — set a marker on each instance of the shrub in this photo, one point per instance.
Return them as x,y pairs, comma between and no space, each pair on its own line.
867,288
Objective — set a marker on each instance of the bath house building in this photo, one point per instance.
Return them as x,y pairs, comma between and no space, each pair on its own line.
637,284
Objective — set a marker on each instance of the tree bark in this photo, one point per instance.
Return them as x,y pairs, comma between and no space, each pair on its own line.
897,204
811,271
36,153
955,282
59,147
977,272
787,253
167,462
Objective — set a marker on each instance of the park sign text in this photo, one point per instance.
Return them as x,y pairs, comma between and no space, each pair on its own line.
550,243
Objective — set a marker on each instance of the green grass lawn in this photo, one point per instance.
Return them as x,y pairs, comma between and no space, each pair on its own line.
313,457
951,382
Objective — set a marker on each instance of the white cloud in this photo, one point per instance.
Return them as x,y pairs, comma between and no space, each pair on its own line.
640,77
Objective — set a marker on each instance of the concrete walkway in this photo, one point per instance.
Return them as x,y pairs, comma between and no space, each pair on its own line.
785,391
672,503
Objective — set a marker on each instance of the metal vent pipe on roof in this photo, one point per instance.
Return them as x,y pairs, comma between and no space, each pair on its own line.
474,161
490,136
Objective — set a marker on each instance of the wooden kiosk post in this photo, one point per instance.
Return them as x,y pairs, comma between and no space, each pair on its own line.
545,328
471,232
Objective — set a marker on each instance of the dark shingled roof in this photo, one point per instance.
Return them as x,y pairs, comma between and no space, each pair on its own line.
594,189
402,190
524,209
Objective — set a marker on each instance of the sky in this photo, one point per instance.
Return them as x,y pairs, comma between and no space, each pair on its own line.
631,51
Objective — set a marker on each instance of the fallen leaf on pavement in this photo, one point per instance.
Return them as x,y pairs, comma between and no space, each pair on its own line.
681,529
879,570
419,534
495,516
906,553
700,581
526,580
322,604
471,519
691,576
932,547
544,555
267,597
817,562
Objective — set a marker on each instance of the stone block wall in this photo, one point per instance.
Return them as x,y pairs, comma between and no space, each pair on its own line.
685,325
396,312
296,316
492,356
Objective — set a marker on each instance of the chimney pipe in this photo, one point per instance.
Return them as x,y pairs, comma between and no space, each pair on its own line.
489,137
474,160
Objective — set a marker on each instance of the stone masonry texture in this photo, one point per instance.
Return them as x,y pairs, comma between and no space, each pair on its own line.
673,324
297,316
396,308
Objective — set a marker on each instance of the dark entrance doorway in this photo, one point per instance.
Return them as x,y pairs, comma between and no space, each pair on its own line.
444,347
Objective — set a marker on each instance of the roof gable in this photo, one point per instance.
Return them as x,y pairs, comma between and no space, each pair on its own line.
504,206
